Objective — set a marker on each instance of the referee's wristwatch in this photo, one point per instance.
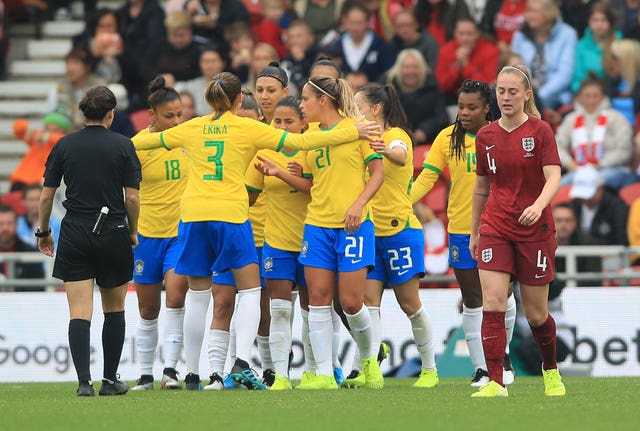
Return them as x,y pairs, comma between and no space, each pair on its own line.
44,234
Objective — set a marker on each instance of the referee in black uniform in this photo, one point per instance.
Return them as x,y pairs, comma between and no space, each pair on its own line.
96,239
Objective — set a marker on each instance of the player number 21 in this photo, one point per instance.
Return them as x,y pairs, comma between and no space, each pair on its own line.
216,159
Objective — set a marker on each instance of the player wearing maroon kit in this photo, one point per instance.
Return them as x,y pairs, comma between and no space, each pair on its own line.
512,230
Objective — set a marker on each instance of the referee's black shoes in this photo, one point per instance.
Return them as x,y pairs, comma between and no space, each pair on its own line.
85,389
115,387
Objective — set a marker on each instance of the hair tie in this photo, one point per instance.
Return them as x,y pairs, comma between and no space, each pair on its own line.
220,82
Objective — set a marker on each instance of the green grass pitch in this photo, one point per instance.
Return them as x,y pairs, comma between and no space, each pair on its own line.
591,404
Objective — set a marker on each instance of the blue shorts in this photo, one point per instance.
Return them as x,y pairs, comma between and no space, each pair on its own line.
399,257
282,265
459,254
336,250
153,257
215,246
226,277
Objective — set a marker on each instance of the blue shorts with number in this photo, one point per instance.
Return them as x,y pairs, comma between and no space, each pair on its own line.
153,257
226,277
399,257
336,250
459,253
280,264
215,246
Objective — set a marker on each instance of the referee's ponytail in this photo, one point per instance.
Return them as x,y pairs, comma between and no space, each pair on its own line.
97,102
222,91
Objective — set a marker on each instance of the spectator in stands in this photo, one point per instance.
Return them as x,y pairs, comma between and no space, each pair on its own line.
547,45
501,19
212,61
121,120
361,48
323,17
102,39
419,95
601,214
240,40
356,79
596,134
383,13
211,17
621,62
40,143
467,56
79,79
627,17
302,53
589,51
408,34
271,28
28,223
179,54
141,25
439,17
10,242
262,55
188,105
576,13
567,233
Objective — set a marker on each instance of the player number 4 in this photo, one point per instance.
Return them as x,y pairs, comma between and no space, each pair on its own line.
541,261
492,163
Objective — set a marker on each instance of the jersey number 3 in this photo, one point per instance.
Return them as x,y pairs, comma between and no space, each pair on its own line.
216,159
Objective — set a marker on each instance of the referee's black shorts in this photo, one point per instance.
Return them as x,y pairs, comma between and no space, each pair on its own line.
83,255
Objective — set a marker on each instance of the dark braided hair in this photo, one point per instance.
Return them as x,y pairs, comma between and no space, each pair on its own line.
470,86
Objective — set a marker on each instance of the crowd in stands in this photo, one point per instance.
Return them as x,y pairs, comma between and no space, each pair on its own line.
584,58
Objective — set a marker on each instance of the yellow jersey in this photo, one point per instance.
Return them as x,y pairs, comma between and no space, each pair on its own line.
164,177
286,206
218,152
339,177
463,177
392,207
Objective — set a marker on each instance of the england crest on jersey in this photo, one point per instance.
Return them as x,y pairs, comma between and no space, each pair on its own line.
487,255
528,144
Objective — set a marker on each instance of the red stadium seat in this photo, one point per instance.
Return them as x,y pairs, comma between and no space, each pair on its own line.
630,193
562,196
140,119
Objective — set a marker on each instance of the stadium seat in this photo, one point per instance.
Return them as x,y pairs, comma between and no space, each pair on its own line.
562,196
630,193
14,200
140,119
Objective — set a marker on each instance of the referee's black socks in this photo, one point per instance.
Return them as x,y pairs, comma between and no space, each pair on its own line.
112,341
79,339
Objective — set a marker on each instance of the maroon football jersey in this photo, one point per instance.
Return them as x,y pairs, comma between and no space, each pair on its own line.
514,161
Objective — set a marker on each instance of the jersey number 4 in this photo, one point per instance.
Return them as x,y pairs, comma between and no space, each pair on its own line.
216,159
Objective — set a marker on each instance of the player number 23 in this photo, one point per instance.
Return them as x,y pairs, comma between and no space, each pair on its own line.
395,257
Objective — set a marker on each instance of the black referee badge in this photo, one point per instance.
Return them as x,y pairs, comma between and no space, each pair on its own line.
394,223
139,267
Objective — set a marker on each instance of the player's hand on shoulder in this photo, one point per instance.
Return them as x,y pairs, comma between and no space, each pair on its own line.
367,129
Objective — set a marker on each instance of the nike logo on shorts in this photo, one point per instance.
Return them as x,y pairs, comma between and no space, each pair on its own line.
488,147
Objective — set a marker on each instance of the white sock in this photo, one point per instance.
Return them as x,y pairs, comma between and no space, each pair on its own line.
336,323
510,319
376,327
174,337
320,334
265,352
146,343
232,335
280,335
218,344
309,360
196,305
360,324
247,322
357,363
294,298
472,327
423,336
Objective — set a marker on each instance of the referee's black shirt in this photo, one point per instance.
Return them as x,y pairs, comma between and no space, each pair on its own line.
96,164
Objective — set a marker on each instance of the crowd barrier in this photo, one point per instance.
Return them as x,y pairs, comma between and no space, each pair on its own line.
34,347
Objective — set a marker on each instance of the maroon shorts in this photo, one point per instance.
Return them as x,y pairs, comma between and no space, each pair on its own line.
532,263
